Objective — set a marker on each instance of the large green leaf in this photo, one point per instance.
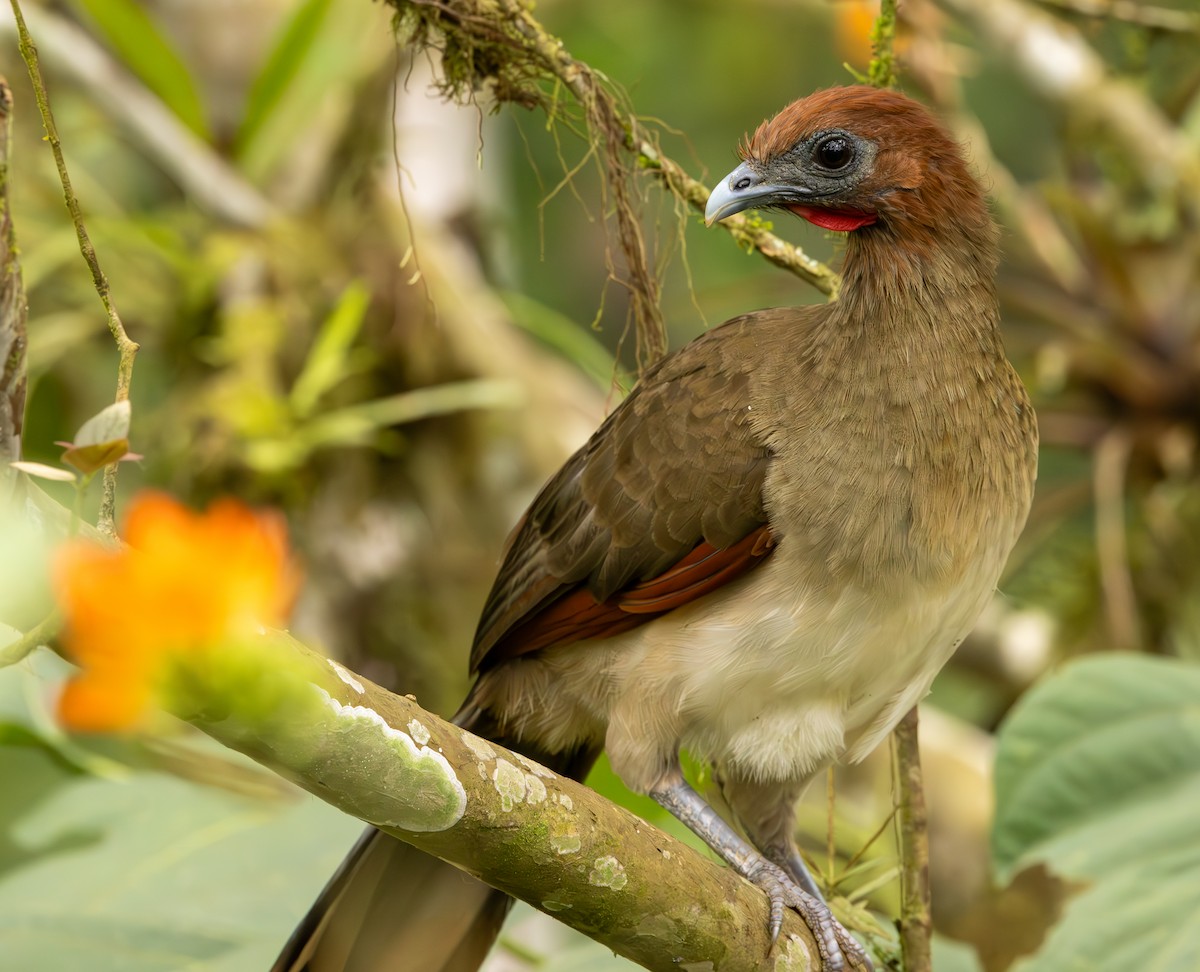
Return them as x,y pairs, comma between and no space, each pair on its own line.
146,52
1098,777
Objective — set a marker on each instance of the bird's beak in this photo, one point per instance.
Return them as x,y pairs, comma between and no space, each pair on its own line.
742,189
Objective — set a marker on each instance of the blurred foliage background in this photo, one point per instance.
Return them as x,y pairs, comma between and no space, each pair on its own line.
393,317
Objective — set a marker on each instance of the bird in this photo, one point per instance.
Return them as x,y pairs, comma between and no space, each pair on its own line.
767,550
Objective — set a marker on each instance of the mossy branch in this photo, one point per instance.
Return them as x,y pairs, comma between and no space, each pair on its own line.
126,348
882,71
543,838
499,44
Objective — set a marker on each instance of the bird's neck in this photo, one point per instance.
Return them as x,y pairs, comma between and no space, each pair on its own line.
904,372
924,287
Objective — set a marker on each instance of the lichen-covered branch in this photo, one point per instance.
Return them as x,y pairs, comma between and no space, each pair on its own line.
543,838
499,44
12,304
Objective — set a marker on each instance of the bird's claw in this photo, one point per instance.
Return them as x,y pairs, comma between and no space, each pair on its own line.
839,950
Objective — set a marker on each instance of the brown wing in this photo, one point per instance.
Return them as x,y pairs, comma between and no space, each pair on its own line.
661,506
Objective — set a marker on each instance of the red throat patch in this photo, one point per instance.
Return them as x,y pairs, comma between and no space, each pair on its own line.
838,220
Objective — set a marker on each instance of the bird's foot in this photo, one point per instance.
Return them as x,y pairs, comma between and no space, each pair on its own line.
839,950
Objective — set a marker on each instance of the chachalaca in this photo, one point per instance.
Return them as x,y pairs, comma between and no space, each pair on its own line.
766,552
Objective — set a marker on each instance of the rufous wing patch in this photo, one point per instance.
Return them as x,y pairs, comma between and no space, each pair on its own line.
578,616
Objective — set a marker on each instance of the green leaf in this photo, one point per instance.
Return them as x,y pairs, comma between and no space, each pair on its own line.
1098,777
1108,744
93,458
153,874
1145,918
146,52
313,70
108,425
296,42
952,956
326,364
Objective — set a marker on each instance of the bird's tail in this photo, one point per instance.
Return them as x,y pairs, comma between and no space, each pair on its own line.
392,908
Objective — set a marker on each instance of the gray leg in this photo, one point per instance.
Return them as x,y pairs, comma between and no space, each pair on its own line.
838,949
767,814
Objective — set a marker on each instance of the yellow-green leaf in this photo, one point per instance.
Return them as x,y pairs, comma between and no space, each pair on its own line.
92,458
327,364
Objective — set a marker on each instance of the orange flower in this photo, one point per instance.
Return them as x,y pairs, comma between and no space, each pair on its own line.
185,582
853,27
853,20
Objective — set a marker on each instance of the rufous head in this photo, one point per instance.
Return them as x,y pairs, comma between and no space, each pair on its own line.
849,158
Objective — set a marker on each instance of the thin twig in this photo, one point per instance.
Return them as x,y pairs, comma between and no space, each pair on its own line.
12,304
1110,465
126,349
612,126
830,843
859,854
912,838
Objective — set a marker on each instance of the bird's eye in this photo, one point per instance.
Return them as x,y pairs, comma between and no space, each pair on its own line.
834,153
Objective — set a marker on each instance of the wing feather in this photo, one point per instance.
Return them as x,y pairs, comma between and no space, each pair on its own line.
661,506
